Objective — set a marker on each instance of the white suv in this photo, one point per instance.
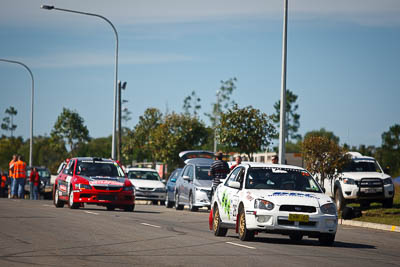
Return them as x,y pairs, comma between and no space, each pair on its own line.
362,181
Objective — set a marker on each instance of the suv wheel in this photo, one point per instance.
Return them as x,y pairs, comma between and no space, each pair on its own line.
339,200
388,203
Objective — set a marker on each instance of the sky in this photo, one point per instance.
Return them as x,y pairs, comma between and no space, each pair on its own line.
343,60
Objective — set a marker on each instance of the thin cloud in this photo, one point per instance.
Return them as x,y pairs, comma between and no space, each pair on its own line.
90,59
124,12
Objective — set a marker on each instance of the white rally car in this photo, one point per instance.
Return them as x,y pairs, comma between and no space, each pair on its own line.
277,199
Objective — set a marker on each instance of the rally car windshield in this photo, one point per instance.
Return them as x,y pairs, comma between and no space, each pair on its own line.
281,179
144,175
202,173
362,166
94,168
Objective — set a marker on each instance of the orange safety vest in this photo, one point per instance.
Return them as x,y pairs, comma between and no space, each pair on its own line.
11,167
19,169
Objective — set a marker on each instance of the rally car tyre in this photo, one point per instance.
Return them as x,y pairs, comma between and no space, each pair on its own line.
244,233
110,207
296,237
129,208
57,202
218,230
388,203
326,239
168,203
177,205
339,199
71,203
191,207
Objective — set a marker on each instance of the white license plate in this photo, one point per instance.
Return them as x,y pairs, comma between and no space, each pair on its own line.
369,190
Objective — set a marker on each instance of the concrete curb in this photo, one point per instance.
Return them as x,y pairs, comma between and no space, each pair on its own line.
377,226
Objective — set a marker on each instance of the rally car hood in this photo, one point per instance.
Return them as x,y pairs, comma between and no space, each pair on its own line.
283,197
203,183
147,183
360,175
105,180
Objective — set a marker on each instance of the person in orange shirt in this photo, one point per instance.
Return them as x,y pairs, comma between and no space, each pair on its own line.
11,175
34,180
20,176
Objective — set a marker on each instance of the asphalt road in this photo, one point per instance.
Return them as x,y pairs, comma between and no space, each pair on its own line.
37,233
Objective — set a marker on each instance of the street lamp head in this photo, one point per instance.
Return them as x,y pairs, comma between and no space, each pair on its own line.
47,7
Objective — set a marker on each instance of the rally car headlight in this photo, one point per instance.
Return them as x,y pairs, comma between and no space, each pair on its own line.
263,204
349,181
128,188
387,181
329,208
83,186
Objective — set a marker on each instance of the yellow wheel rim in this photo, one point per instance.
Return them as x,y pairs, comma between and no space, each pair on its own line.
242,224
216,219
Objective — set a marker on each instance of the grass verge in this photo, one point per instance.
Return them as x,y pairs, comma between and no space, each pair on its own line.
376,214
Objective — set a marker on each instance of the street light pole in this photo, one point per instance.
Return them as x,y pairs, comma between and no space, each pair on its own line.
47,7
283,89
120,86
32,94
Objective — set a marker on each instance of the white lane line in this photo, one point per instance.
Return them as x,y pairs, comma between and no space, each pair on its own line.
240,245
151,225
91,212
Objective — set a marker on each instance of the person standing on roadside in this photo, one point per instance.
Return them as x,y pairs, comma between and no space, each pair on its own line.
238,161
20,176
275,159
34,180
219,169
13,194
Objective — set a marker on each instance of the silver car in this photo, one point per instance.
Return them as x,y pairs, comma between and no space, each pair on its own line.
193,186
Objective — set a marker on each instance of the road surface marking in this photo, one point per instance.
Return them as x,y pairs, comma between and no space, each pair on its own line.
45,205
240,245
91,212
156,226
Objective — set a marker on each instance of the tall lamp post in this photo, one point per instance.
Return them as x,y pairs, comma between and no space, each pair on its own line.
47,7
32,94
283,89
121,85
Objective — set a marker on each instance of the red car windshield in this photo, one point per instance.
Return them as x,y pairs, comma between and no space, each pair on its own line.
99,168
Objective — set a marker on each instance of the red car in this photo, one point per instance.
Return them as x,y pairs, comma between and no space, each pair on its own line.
93,181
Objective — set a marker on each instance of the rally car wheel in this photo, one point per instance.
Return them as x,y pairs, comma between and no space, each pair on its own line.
177,205
244,233
191,207
218,230
327,239
71,203
57,202
296,237
110,207
129,208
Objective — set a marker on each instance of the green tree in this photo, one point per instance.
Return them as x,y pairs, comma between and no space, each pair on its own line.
323,156
245,130
139,140
96,147
8,147
70,127
8,122
191,102
292,118
322,133
391,150
177,132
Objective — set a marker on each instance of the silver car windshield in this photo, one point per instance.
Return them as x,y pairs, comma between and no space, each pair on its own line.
144,175
281,179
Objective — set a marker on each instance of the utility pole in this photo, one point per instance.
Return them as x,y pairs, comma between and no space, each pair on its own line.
120,86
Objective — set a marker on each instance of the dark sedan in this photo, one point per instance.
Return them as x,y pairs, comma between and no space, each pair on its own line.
170,188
